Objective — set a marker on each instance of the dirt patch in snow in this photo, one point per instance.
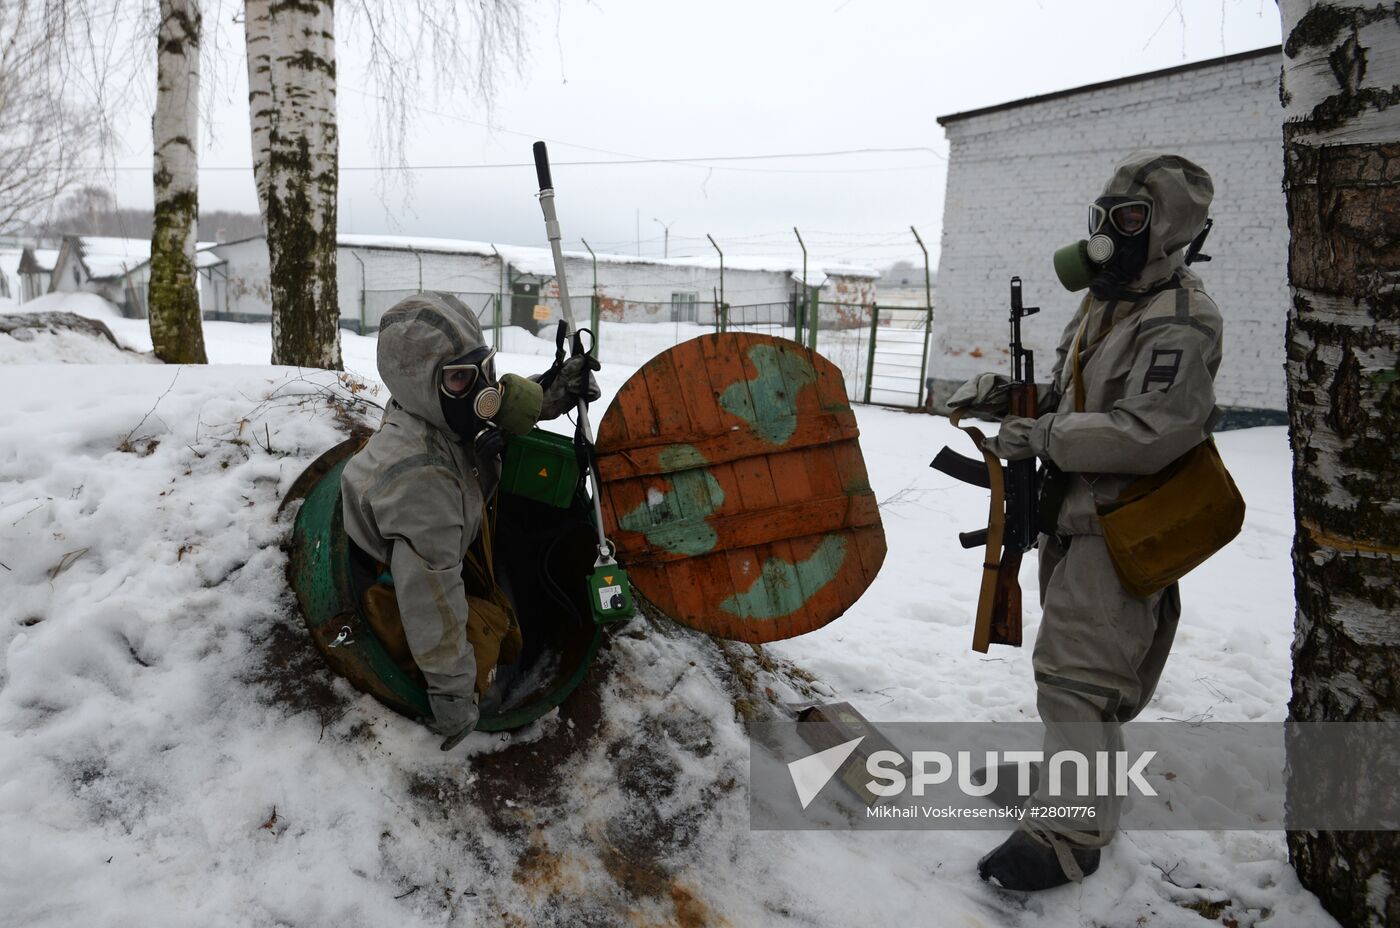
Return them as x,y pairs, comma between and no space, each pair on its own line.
291,674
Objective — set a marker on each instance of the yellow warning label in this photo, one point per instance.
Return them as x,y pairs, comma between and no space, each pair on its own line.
607,579
541,313
544,472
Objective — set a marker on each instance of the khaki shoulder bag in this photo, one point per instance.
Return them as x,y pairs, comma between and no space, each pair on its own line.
1164,525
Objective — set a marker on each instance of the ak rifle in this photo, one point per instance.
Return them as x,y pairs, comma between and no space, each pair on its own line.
1012,521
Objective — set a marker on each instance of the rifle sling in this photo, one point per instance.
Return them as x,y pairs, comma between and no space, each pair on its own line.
996,530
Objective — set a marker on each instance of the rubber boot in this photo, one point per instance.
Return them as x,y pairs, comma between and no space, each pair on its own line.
1006,795
1023,864
453,716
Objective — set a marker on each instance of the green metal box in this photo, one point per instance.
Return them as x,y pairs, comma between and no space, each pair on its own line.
541,466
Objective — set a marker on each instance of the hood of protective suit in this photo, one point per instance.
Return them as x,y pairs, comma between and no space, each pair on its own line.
1180,191
417,336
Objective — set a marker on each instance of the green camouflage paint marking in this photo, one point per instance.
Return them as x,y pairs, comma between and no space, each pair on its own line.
778,591
768,403
675,520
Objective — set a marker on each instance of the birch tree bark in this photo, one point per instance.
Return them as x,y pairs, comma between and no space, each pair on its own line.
291,97
172,297
1342,181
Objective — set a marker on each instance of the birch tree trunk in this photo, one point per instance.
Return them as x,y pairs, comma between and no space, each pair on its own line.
291,98
172,297
1342,180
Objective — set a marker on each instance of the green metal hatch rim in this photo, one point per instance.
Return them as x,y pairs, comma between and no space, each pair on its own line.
320,576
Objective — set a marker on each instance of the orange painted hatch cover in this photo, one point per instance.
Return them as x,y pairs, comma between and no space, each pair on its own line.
735,490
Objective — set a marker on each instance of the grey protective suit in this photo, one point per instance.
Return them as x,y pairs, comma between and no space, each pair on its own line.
414,496
1148,364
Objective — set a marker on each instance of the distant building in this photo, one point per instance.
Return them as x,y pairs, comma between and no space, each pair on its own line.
376,271
34,269
11,286
904,285
101,265
137,280
1021,174
116,269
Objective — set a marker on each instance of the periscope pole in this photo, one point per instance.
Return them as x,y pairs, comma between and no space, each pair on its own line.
611,593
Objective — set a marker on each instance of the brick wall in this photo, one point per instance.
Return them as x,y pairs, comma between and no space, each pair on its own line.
1019,183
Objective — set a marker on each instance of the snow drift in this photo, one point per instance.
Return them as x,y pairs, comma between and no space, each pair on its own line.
174,752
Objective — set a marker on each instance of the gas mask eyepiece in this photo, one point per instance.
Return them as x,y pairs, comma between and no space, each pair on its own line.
470,395
473,376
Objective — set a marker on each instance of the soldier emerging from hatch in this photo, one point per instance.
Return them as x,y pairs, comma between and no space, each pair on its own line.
417,499
1132,391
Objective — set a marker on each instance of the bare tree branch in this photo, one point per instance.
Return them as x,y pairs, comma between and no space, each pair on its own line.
447,48
66,69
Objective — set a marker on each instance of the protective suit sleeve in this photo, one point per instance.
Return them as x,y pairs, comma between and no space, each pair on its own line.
1169,414
422,515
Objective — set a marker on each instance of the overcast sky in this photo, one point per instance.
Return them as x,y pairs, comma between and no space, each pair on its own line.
618,79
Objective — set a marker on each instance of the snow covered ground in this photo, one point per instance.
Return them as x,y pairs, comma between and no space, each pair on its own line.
173,752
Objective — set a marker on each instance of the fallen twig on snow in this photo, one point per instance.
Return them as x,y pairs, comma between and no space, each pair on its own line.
125,443
67,561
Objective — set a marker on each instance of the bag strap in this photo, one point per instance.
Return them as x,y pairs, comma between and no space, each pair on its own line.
1076,366
1076,370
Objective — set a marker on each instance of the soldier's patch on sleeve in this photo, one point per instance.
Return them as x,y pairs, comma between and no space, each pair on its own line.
1163,369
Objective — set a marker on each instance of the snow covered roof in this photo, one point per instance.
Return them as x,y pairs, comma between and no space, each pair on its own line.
204,257
540,261
414,243
38,260
107,257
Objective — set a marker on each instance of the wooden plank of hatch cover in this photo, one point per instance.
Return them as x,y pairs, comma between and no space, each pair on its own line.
735,490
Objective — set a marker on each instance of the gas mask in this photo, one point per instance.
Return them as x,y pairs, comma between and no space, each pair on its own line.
1115,252
473,401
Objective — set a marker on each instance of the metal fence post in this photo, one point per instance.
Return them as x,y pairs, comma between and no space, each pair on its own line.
719,299
362,291
801,311
870,353
594,321
593,306
496,325
928,318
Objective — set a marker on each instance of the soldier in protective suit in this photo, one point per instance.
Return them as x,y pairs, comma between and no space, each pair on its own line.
1132,391
416,496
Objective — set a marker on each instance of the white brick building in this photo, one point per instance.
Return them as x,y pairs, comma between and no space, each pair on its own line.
1021,176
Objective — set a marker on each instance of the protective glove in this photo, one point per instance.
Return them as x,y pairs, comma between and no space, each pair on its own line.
489,443
453,716
576,376
1013,442
566,382
988,395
